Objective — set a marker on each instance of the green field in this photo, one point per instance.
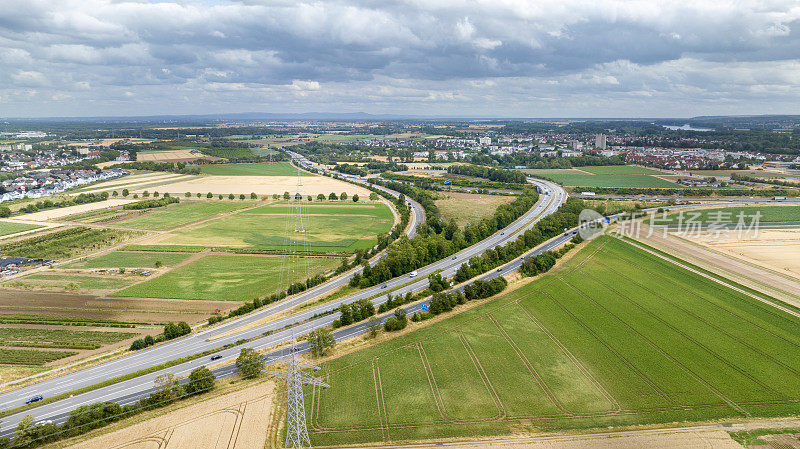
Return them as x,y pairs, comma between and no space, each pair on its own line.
343,228
181,214
614,337
769,214
228,278
620,170
10,227
70,282
31,356
253,169
129,259
610,180
59,338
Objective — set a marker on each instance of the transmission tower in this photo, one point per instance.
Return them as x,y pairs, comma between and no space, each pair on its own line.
296,430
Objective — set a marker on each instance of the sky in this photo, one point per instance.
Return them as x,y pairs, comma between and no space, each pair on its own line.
493,58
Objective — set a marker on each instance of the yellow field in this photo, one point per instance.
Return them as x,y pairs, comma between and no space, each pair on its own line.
170,155
776,249
263,185
237,420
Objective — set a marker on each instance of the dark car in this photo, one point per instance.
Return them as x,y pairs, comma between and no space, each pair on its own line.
38,397
216,357
383,286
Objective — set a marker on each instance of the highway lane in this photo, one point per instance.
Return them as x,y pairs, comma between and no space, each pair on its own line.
196,343
188,345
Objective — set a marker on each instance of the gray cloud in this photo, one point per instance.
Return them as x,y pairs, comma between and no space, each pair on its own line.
499,57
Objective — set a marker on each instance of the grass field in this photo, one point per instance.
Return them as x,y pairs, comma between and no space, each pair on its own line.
181,214
610,180
10,227
31,356
228,278
254,169
769,214
129,259
343,228
69,282
469,207
59,338
620,170
614,337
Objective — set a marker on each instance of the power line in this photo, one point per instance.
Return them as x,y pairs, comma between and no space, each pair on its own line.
296,429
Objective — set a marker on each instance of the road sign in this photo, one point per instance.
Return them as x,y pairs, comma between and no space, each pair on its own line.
425,307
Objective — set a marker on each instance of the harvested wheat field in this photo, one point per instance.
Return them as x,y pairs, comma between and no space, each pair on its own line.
237,420
172,156
264,185
776,249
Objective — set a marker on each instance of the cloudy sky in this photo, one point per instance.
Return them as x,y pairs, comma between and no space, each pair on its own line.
502,58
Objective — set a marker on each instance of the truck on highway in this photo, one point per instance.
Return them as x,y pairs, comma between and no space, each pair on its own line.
778,198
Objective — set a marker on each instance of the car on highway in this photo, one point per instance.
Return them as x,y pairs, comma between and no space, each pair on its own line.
383,286
33,399
455,257
413,274
216,357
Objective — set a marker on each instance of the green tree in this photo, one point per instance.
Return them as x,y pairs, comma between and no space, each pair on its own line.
230,196
333,196
373,196
321,197
209,195
198,194
188,194
320,341
275,196
155,194
374,325
5,212
201,380
286,195
221,196
310,198
25,432
125,192
249,364
343,196
253,196
159,264
145,194
355,198
241,196
114,193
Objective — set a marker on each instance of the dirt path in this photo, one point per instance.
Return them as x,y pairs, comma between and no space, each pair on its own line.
775,284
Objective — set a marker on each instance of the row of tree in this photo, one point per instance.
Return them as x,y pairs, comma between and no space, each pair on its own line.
171,330
492,174
85,418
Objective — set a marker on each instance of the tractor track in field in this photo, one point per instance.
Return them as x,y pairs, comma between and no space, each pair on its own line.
533,372
718,287
705,321
572,357
663,352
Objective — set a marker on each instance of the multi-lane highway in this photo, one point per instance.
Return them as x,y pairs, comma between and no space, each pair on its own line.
262,332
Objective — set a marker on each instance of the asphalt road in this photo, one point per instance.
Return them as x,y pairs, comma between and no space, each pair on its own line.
276,331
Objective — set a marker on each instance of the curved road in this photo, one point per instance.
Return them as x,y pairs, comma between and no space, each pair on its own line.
129,390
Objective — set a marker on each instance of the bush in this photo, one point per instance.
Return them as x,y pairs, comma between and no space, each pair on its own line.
200,380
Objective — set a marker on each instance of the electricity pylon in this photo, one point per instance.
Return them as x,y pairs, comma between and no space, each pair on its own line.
296,430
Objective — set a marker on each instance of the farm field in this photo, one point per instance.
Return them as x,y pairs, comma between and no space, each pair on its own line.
260,185
469,207
342,228
252,169
31,356
769,214
610,180
59,338
69,281
180,214
226,278
65,243
54,214
10,227
63,308
129,259
614,337
620,170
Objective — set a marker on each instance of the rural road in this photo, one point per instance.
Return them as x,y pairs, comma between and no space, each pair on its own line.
127,391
